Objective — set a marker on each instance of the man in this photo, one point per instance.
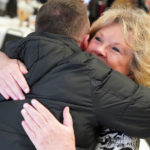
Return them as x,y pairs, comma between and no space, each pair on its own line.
55,17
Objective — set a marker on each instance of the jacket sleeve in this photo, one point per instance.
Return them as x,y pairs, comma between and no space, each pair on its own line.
122,104
39,55
119,103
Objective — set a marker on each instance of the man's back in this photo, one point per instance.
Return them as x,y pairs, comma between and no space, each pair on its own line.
56,82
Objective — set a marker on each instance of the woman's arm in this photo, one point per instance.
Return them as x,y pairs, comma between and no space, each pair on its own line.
45,131
12,81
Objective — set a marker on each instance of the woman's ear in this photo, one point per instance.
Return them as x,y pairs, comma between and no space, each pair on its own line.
85,42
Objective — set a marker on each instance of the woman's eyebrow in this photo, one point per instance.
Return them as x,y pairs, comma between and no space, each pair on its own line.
116,43
100,33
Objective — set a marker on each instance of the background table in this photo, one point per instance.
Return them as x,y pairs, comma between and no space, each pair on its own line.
11,26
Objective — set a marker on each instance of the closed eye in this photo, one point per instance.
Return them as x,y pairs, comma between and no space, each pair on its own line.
98,39
116,49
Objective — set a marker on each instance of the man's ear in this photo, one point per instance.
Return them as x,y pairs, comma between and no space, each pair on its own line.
85,42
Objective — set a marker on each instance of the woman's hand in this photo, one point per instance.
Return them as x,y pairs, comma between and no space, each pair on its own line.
12,81
45,131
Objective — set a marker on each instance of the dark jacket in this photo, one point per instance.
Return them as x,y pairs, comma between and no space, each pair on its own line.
60,75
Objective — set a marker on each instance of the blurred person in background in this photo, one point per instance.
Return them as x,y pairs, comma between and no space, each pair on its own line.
11,8
42,1
147,5
97,7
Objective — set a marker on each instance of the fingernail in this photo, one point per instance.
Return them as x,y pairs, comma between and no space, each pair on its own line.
26,90
25,105
7,97
21,97
15,98
68,108
23,111
33,101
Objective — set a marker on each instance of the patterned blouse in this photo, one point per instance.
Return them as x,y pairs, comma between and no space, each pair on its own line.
115,140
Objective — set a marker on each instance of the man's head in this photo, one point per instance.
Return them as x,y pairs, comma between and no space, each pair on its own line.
66,17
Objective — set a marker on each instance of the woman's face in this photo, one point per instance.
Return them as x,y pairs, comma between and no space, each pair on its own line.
109,45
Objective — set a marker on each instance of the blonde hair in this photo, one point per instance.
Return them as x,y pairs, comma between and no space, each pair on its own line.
136,23
124,3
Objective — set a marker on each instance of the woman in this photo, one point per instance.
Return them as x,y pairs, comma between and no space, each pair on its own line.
124,54
112,41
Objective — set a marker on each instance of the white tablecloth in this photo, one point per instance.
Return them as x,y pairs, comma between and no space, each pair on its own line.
11,26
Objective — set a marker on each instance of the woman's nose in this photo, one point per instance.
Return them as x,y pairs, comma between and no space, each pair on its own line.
101,51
